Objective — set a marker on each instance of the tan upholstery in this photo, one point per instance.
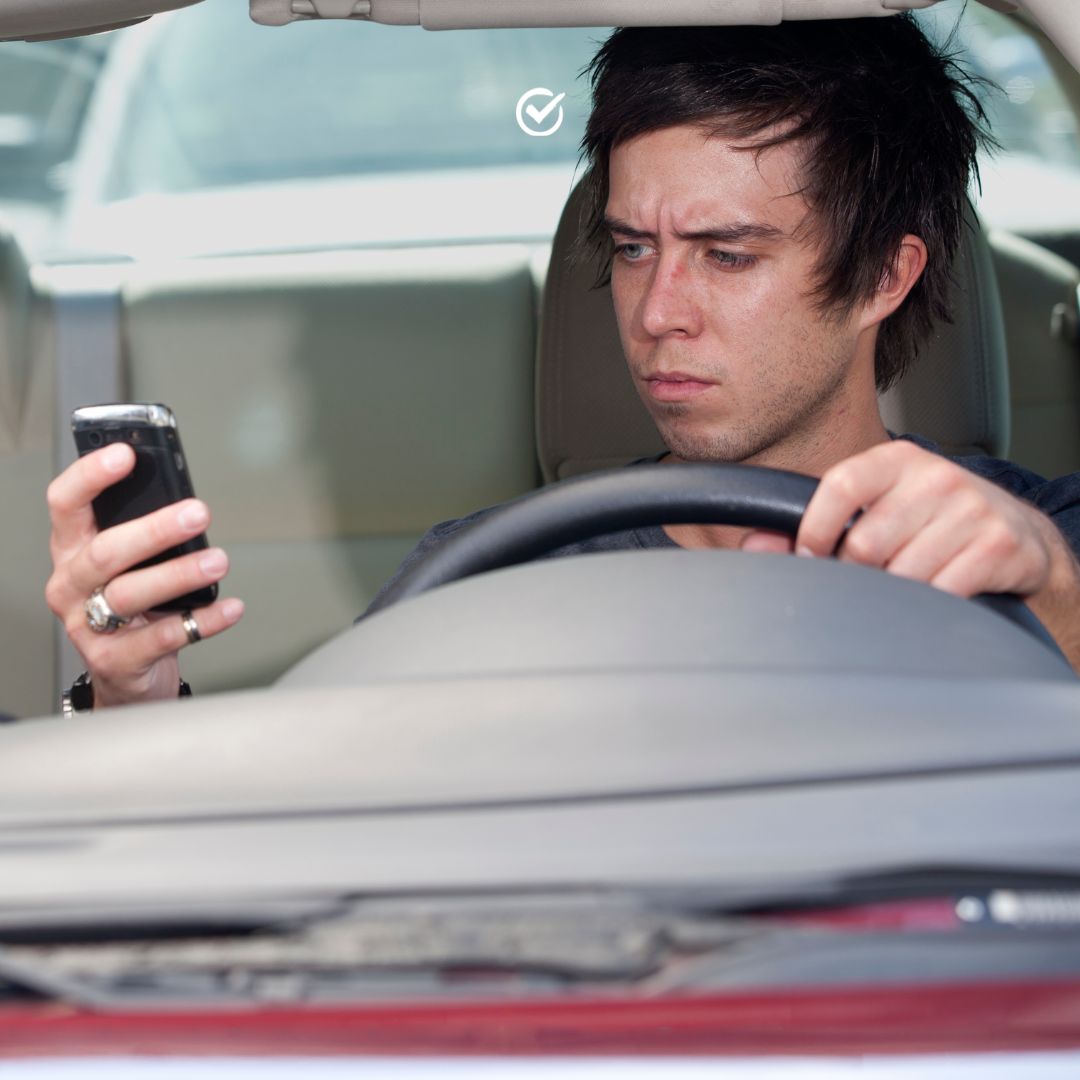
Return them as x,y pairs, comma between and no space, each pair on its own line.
589,415
333,406
27,654
957,394
15,305
1042,326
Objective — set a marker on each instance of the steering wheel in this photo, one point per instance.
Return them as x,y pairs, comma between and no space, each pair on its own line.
617,499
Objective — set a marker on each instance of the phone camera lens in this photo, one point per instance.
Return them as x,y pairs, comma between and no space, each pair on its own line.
95,438
133,436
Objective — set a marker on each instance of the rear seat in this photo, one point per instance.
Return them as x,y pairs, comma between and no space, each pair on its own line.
27,638
332,405
291,374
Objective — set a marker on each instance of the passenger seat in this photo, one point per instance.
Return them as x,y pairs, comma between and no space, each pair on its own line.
1042,329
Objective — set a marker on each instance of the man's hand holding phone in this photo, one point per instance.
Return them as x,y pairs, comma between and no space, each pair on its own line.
136,658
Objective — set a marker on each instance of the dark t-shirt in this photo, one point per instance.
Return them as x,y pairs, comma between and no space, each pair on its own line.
1058,499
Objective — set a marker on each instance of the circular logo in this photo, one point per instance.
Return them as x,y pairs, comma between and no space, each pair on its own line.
540,114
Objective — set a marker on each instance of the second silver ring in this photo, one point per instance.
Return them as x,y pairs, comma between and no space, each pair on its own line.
191,627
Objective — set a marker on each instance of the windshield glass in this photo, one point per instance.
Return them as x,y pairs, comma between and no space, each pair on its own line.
328,249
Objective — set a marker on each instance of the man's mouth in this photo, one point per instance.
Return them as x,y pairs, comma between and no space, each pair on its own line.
675,386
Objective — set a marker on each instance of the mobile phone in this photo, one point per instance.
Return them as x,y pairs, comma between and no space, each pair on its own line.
160,476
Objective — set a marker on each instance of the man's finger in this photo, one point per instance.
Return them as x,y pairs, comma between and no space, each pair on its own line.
116,550
891,522
843,491
70,495
762,541
965,574
997,560
115,658
928,553
138,591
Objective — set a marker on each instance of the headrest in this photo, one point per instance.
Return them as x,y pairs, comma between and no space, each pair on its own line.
589,415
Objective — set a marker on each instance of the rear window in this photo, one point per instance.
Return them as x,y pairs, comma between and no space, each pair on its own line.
44,90
1027,107
222,101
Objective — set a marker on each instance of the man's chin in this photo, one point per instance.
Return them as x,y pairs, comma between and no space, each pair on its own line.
705,447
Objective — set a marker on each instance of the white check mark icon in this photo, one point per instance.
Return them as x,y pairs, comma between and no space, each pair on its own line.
538,116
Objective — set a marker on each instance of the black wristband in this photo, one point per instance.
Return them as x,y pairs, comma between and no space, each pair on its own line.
79,697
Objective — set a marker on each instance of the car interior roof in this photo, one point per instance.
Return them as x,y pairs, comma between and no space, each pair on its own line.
34,19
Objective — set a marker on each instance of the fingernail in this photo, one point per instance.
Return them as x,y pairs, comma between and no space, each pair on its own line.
214,563
192,517
115,457
803,551
232,610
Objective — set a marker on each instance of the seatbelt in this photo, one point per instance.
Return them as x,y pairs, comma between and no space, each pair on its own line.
88,370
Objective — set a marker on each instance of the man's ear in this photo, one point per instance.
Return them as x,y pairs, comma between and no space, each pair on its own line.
897,281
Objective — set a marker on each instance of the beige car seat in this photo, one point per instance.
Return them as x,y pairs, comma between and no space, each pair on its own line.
1042,325
27,639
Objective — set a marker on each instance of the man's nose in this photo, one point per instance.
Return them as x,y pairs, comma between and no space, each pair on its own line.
670,302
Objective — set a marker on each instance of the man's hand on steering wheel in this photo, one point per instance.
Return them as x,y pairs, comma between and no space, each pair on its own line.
926,518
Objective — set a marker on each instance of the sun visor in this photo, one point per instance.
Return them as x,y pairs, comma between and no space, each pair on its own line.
31,20
498,14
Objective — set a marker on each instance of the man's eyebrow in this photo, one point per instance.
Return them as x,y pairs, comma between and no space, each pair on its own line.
735,233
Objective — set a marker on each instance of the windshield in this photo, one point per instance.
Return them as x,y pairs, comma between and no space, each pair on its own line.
328,247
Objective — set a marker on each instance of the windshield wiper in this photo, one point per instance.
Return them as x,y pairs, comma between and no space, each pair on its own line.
890,883
405,945
653,938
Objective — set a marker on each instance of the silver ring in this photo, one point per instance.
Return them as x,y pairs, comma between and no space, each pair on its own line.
191,627
99,616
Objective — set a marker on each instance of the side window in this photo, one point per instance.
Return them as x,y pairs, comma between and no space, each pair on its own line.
44,90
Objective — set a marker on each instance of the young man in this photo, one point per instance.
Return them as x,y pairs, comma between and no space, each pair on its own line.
779,207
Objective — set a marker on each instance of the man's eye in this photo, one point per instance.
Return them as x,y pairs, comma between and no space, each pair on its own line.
732,261
630,252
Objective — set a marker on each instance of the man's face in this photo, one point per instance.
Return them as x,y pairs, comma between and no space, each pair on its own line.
711,283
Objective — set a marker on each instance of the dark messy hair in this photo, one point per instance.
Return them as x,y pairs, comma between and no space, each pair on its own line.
889,122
